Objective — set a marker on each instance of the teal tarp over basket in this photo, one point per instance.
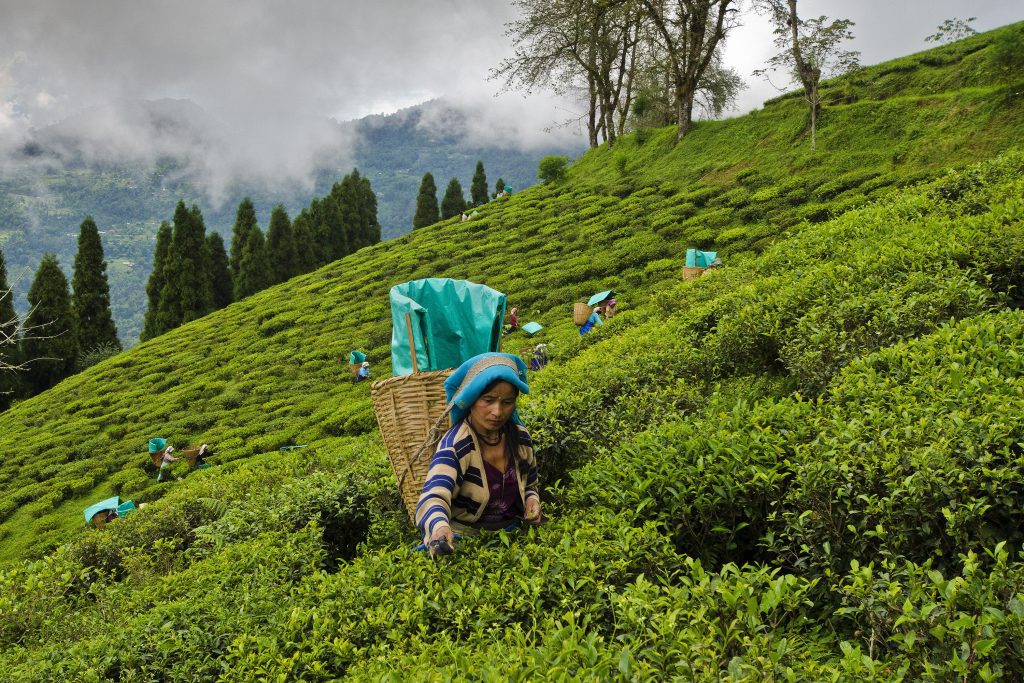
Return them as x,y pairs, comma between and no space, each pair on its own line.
600,296
108,504
356,357
700,259
532,328
452,321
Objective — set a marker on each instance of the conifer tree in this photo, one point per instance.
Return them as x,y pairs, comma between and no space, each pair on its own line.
245,221
171,314
51,341
281,246
427,212
499,186
90,299
371,227
478,188
187,280
357,206
254,269
305,245
152,325
221,288
9,356
454,201
335,215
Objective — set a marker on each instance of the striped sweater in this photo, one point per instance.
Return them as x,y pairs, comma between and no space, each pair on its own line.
456,484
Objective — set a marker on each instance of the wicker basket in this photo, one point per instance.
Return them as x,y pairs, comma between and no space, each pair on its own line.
580,313
354,368
691,272
406,408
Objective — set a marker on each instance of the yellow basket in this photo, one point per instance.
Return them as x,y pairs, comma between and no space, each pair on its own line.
407,408
580,313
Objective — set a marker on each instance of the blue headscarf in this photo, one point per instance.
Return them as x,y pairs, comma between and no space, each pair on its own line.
472,377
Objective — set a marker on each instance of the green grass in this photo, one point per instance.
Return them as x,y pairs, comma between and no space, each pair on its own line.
779,467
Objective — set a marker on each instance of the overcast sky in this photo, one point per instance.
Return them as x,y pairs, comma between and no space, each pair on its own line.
273,71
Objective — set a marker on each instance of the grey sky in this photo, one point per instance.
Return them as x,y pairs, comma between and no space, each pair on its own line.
272,72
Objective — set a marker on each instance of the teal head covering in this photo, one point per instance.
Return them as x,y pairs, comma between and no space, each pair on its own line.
472,377
157,445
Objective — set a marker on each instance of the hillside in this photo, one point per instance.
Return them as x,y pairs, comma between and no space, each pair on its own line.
60,176
806,464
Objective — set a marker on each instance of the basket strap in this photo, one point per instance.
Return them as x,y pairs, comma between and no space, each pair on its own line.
435,433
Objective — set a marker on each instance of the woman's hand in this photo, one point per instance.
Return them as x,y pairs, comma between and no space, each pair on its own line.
442,532
532,513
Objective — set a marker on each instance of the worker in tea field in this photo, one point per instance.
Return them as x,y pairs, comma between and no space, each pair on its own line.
609,309
540,357
483,474
592,321
512,321
364,371
160,454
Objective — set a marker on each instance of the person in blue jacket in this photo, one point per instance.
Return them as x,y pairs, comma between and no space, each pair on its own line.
594,319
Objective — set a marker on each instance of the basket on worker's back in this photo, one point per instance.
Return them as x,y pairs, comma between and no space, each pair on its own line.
691,272
407,408
580,313
436,324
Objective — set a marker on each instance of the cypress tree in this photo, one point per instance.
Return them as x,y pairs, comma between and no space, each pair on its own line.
254,270
427,212
281,246
171,313
245,221
305,245
50,341
478,188
221,288
9,356
499,186
368,218
186,292
454,202
91,293
336,212
152,326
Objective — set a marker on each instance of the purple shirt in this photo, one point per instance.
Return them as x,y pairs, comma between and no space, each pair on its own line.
503,503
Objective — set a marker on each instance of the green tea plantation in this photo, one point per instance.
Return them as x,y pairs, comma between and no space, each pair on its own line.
807,465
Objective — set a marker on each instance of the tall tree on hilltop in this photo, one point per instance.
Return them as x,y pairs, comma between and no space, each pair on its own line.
478,188
281,246
578,45
171,314
254,270
153,325
216,258
90,299
245,222
305,245
689,32
53,349
427,212
454,202
809,51
10,359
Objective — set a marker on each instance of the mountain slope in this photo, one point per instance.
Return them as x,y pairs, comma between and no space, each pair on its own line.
733,451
